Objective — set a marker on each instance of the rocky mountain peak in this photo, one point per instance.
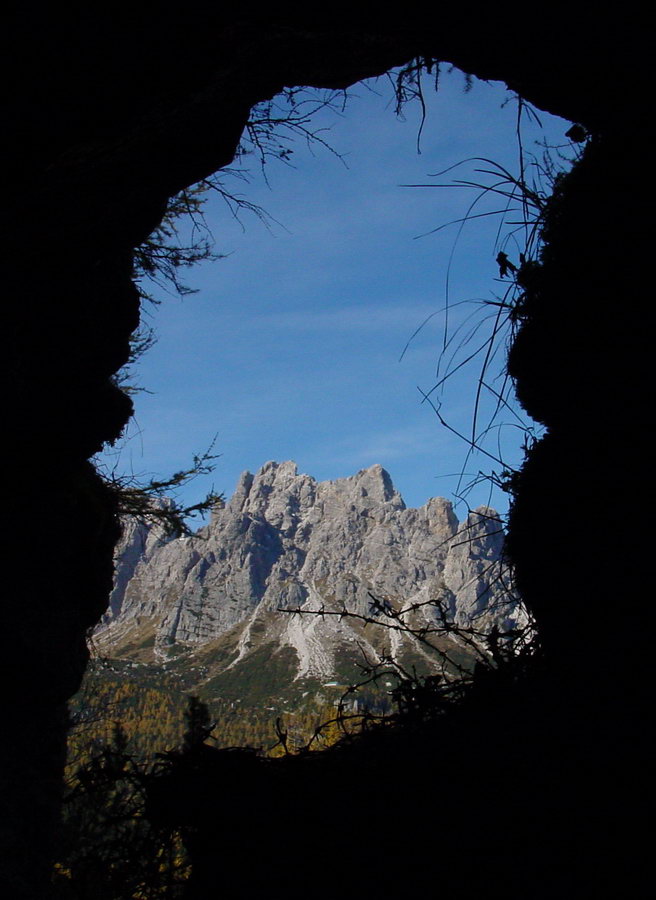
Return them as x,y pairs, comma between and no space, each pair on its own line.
376,483
287,542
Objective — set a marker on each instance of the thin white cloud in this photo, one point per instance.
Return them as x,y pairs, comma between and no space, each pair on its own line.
386,445
356,318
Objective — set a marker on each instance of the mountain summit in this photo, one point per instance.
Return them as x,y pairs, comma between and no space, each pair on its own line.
223,599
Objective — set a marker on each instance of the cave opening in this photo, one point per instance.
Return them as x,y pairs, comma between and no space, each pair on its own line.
102,134
291,347
259,319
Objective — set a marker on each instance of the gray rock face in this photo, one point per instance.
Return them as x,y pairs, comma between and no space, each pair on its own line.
287,542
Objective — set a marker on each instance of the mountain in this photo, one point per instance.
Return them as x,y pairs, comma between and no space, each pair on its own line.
217,609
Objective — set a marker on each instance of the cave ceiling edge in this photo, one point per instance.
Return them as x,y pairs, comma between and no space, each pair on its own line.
127,113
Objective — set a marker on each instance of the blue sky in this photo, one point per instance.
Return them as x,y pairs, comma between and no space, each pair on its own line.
290,348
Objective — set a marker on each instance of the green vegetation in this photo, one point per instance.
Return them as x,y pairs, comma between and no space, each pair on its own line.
265,673
146,702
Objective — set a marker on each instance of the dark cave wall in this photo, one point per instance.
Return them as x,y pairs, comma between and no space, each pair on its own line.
580,361
107,119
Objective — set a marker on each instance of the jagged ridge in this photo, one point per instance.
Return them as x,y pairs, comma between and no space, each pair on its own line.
285,541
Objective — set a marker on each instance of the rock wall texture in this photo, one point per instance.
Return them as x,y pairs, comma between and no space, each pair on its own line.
286,542
108,114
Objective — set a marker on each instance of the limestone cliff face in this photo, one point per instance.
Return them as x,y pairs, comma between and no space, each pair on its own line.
285,542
